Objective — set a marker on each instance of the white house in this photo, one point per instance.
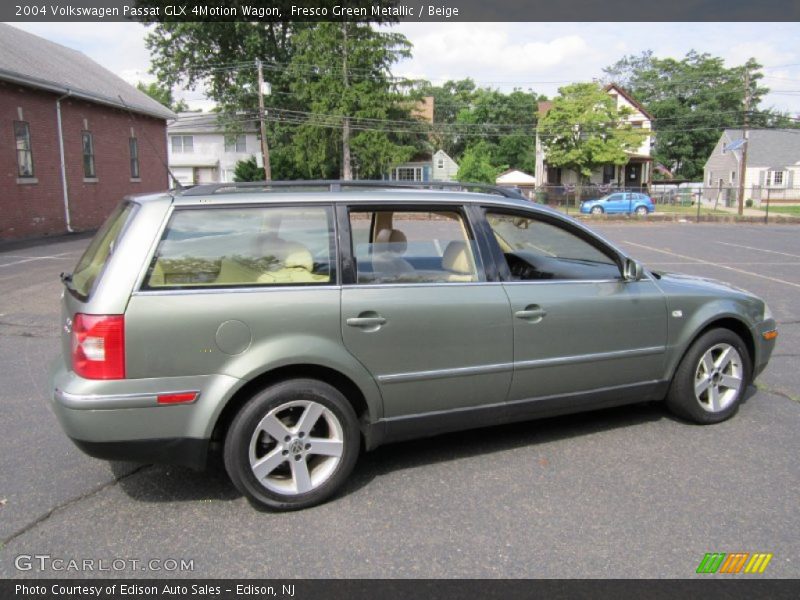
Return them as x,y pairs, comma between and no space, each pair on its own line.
773,166
201,151
636,173
436,167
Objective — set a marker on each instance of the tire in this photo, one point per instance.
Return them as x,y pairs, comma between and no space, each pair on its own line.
597,210
711,378
641,210
271,454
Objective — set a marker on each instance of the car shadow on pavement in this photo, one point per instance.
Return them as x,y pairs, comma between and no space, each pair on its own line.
166,483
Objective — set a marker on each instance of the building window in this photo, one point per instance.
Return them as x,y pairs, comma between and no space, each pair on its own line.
636,124
408,174
88,155
440,163
22,136
733,176
609,173
235,143
182,144
777,178
133,145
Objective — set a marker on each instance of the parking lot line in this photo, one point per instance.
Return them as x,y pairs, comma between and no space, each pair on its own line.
759,249
713,264
25,259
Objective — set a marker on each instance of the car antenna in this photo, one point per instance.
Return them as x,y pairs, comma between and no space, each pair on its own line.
178,186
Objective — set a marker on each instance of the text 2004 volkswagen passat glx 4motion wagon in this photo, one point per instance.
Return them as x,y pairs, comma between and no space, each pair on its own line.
294,325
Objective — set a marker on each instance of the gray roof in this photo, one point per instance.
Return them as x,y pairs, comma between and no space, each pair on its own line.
771,148
36,62
193,122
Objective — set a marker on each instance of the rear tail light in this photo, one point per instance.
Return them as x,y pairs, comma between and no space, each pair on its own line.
98,346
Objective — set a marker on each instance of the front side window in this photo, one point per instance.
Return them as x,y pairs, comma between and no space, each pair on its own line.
536,250
22,138
235,143
133,145
182,144
88,155
259,246
412,247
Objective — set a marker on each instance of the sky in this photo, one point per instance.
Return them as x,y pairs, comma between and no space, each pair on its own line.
536,56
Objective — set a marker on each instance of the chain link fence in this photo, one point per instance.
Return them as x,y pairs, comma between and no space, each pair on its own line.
671,198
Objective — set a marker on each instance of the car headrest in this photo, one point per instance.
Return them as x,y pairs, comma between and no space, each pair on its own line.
390,240
456,258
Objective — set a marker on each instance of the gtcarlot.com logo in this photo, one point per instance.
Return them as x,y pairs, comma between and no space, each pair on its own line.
735,562
46,562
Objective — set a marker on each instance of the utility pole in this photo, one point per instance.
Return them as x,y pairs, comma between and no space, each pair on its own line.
347,173
746,135
261,115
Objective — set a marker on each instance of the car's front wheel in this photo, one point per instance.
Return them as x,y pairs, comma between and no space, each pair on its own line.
711,378
292,445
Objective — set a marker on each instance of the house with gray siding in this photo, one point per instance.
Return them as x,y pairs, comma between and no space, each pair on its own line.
772,170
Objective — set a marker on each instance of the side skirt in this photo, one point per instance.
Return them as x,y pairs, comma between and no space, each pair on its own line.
421,425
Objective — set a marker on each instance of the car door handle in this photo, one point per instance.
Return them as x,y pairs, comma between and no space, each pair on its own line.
532,313
366,321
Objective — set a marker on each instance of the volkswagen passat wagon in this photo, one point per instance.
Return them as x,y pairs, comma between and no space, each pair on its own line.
294,326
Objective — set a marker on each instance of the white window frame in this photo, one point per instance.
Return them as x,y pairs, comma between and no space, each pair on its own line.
181,148
234,142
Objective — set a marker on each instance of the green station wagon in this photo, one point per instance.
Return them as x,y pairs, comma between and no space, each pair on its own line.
293,325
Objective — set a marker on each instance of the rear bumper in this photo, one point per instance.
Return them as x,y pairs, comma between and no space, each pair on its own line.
122,419
188,452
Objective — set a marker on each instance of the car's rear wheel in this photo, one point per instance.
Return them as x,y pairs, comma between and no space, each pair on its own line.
597,210
711,378
641,210
292,445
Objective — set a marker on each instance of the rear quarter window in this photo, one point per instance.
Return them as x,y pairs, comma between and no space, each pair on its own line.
94,259
235,246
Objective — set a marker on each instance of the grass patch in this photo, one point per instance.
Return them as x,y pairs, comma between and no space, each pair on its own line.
784,210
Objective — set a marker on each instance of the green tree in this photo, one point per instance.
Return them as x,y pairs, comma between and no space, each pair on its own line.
692,100
163,94
343,71
248,170
219,58
584,130
477,164
464,113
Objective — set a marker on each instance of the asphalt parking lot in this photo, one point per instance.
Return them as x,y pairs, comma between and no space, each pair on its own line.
629,492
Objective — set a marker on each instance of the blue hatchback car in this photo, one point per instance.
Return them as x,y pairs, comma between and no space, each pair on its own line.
619,202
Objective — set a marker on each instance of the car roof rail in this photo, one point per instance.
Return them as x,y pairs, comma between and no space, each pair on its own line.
338,185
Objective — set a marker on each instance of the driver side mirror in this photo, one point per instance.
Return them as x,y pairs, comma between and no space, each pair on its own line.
632,270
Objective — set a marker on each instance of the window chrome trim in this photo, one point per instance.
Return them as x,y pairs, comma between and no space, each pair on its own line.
234,290
421,284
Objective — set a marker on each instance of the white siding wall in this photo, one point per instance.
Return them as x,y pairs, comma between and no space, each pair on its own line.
208,152
448,169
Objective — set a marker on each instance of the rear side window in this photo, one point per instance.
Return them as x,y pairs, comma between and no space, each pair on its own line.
261,246
100,249
412,247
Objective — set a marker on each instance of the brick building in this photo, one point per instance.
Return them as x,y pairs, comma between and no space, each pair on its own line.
74,139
